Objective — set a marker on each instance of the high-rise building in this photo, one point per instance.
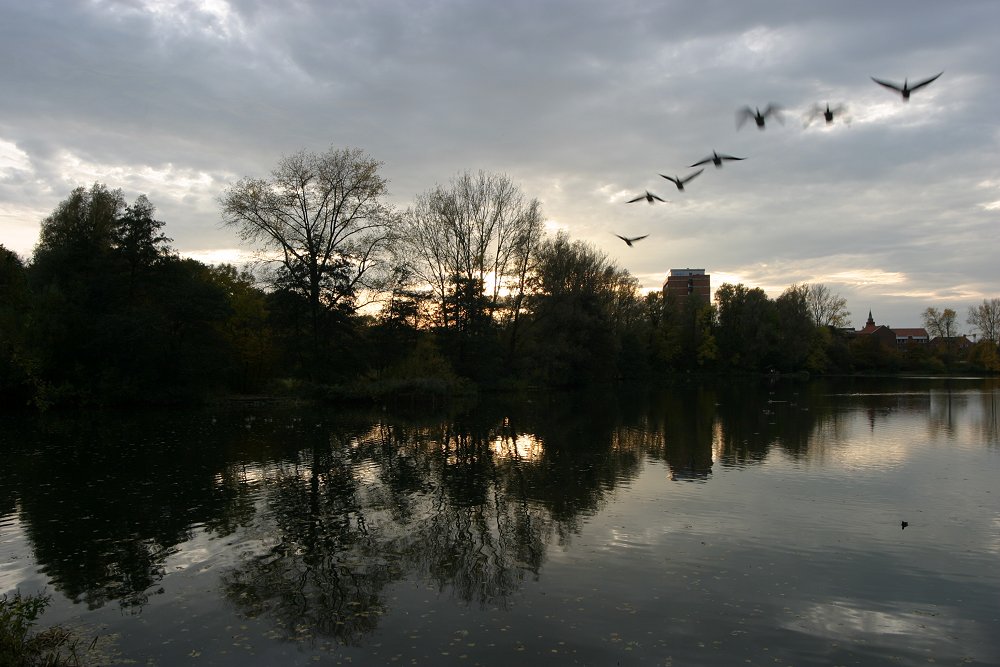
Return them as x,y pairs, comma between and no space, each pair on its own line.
688,282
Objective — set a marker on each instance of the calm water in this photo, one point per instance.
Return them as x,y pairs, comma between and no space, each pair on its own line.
741,524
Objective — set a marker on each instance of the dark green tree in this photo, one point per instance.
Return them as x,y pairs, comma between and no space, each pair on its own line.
115,316
746,327
580,306
138,242
797,336
15,361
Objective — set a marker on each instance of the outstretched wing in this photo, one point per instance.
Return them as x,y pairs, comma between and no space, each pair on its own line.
774,110
655,197
638,238
633,200
890,85
742,115
700,162
690,176
729,157
925,82
673,180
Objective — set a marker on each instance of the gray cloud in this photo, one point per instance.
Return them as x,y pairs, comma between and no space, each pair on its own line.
583,103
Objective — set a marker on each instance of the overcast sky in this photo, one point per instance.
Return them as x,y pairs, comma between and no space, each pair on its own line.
895,206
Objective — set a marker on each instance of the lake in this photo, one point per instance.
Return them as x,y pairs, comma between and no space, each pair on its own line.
751,523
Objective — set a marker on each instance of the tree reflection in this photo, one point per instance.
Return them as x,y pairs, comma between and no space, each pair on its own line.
454,502
104,512
341,508
326,567
685,418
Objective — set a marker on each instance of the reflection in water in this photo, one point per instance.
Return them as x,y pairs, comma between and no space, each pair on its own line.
334,513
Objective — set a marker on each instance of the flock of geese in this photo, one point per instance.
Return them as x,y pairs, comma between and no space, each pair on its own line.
760,119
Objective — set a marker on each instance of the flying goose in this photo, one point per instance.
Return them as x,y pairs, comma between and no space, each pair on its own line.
649,197
906,88
715,159
758,116
629,241
678,181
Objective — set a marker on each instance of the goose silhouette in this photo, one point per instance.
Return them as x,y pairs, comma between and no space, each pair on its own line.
758,116
649,197
906,88
678,181
716,159
828,114
630,240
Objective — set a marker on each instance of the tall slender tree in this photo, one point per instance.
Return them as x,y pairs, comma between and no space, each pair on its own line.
479,230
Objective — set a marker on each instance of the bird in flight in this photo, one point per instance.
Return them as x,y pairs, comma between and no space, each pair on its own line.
715,159
828,114
629,241
678,181
649,197
758,116
906,88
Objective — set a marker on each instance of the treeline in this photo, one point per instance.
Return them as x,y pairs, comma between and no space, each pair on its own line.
463,289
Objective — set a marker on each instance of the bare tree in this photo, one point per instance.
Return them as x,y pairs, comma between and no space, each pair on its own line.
940,323
825,307
321,218
478,232
986,318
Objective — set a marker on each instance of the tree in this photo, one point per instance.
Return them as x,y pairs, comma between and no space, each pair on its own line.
986,318
940,323
479,230
581,306
84,223
14,302
747,326
825,307
797,330
115,316
323,216
138,240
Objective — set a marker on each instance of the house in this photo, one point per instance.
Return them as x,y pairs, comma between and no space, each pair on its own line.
906,337
954,342
883,334
900,337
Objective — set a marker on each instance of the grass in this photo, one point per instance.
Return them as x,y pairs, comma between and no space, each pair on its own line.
56,646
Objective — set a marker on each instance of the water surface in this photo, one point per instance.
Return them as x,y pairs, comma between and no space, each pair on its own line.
745,523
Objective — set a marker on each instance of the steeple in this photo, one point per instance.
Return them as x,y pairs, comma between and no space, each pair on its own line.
871,320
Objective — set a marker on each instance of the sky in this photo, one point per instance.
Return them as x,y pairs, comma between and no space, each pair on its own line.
894,206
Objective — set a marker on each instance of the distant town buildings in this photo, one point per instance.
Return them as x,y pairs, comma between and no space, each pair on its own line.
682,283
904,337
